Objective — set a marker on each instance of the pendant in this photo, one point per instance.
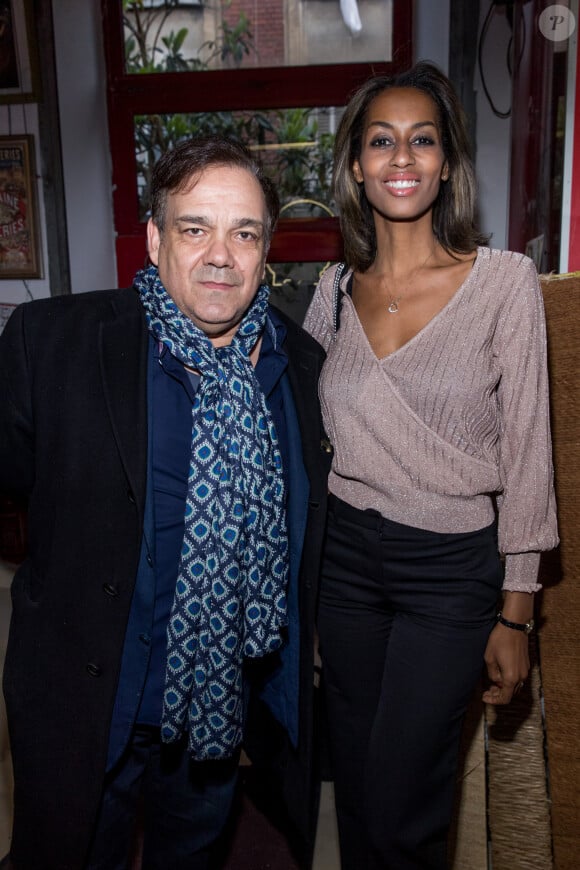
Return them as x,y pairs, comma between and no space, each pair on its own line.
393,307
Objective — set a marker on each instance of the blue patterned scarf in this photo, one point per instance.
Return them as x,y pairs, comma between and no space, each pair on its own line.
230,595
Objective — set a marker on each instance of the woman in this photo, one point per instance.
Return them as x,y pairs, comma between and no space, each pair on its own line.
435,398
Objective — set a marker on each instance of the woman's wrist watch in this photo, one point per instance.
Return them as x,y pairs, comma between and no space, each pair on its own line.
526,627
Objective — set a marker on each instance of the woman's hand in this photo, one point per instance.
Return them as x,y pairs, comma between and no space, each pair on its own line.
508,663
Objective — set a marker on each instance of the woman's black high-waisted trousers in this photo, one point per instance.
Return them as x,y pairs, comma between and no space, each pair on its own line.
404,618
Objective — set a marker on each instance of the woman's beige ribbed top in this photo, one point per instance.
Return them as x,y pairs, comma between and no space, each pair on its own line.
458,416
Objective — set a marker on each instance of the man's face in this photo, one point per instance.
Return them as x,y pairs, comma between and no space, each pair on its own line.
211,254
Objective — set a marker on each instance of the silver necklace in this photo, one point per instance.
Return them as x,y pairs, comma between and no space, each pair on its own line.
393,306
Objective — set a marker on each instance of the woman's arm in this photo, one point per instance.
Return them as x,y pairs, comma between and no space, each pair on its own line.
527,510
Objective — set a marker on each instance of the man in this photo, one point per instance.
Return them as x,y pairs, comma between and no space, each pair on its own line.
168,438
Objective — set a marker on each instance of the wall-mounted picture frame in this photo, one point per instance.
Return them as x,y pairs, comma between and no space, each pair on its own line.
19,238
19,64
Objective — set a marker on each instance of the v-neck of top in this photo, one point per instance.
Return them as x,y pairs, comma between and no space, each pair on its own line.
430,323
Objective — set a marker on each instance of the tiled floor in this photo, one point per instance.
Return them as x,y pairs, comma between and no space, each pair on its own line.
326,855
326,852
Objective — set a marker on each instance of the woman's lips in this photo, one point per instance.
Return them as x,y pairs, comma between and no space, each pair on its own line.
402,186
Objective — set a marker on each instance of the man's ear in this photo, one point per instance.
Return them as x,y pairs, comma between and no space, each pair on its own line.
153,241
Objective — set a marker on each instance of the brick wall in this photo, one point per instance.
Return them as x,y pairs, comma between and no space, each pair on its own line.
267,28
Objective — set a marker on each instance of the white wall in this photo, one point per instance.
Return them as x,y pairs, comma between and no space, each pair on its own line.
85,152
493,134
431,36
81,76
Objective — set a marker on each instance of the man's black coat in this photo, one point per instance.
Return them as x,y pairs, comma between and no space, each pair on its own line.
73,437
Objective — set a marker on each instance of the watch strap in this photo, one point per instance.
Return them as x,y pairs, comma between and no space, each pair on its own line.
526,627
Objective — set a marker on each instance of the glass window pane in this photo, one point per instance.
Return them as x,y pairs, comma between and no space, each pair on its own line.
185,36
293,285
295,146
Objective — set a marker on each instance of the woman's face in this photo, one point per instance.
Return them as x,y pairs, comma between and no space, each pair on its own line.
401,163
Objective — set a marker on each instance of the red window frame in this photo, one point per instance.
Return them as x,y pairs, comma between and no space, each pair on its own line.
296,239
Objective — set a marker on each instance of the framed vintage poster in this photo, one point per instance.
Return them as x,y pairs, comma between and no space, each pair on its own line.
19,248
19,78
